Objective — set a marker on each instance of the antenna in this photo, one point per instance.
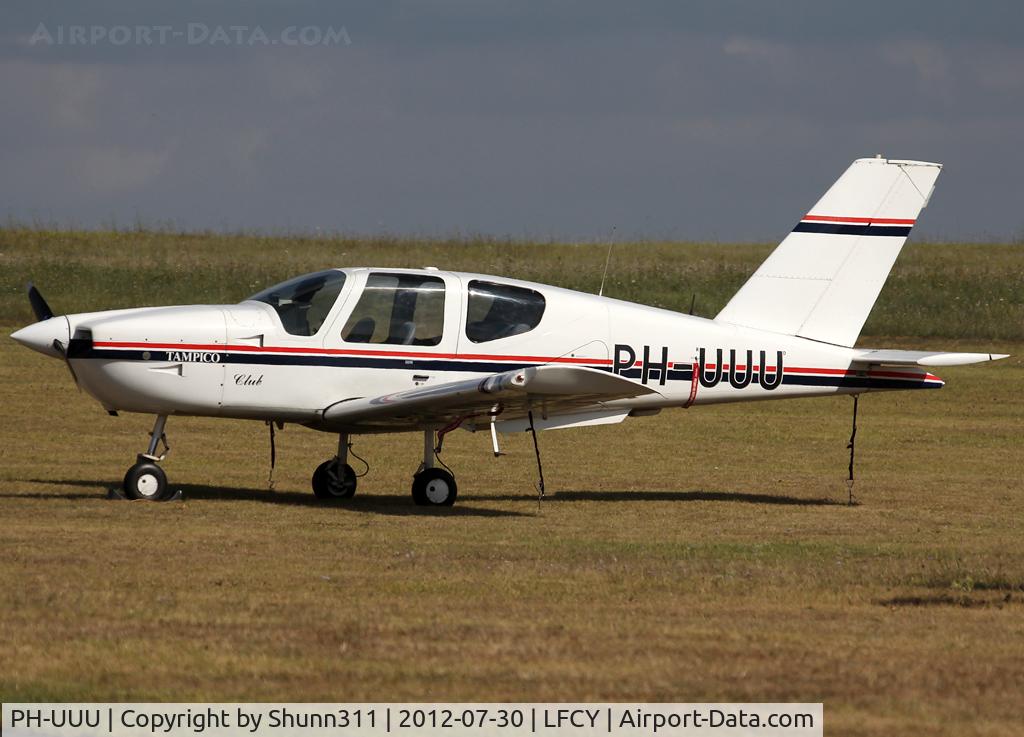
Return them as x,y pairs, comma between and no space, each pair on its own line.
607,260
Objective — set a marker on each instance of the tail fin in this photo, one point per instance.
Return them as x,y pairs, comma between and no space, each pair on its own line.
822,280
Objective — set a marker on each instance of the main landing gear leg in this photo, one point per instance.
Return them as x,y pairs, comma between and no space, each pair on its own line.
431,486
334,478
146,480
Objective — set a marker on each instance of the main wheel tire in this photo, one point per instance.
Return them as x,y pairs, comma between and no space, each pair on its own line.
434,487
145,480
334,480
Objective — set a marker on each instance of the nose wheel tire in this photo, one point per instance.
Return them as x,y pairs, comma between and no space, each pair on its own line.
434,487
146,480
334,480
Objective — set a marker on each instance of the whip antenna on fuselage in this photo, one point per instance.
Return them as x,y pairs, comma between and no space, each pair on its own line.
607,260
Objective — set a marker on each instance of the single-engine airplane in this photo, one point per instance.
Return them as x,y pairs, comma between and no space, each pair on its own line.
372,350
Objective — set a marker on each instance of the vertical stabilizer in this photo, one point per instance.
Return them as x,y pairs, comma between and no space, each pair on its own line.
822,280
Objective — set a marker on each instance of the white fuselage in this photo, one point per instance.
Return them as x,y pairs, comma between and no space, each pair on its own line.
239,360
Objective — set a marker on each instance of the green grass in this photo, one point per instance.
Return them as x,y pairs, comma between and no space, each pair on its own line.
936,290
703,554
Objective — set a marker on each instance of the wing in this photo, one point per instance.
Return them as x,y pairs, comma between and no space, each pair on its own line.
548,390
923,358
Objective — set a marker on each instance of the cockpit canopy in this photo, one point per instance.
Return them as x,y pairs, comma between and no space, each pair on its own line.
404,307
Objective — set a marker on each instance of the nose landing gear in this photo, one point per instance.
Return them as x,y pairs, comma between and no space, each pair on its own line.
146,480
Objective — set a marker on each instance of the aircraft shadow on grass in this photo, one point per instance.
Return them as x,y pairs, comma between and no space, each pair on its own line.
385,504
399,505
673,496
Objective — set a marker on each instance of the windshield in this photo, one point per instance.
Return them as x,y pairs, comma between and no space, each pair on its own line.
304,302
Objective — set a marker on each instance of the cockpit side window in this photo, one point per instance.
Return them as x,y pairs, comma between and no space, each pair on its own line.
304,302
398,309
501,310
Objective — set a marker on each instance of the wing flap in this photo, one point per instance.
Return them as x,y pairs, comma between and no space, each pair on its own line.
509,395
923,358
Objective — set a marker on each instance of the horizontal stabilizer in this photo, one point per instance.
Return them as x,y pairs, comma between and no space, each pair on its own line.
923,358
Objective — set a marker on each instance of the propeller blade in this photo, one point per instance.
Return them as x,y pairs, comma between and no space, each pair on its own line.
39,306
59,347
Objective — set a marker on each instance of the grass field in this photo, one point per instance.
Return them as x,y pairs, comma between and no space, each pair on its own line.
699,555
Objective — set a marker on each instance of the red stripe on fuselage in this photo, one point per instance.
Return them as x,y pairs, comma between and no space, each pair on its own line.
345,352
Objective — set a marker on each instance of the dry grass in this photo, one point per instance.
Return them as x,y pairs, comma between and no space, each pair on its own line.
698,555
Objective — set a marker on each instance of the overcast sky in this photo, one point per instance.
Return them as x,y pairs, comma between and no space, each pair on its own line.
717,120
